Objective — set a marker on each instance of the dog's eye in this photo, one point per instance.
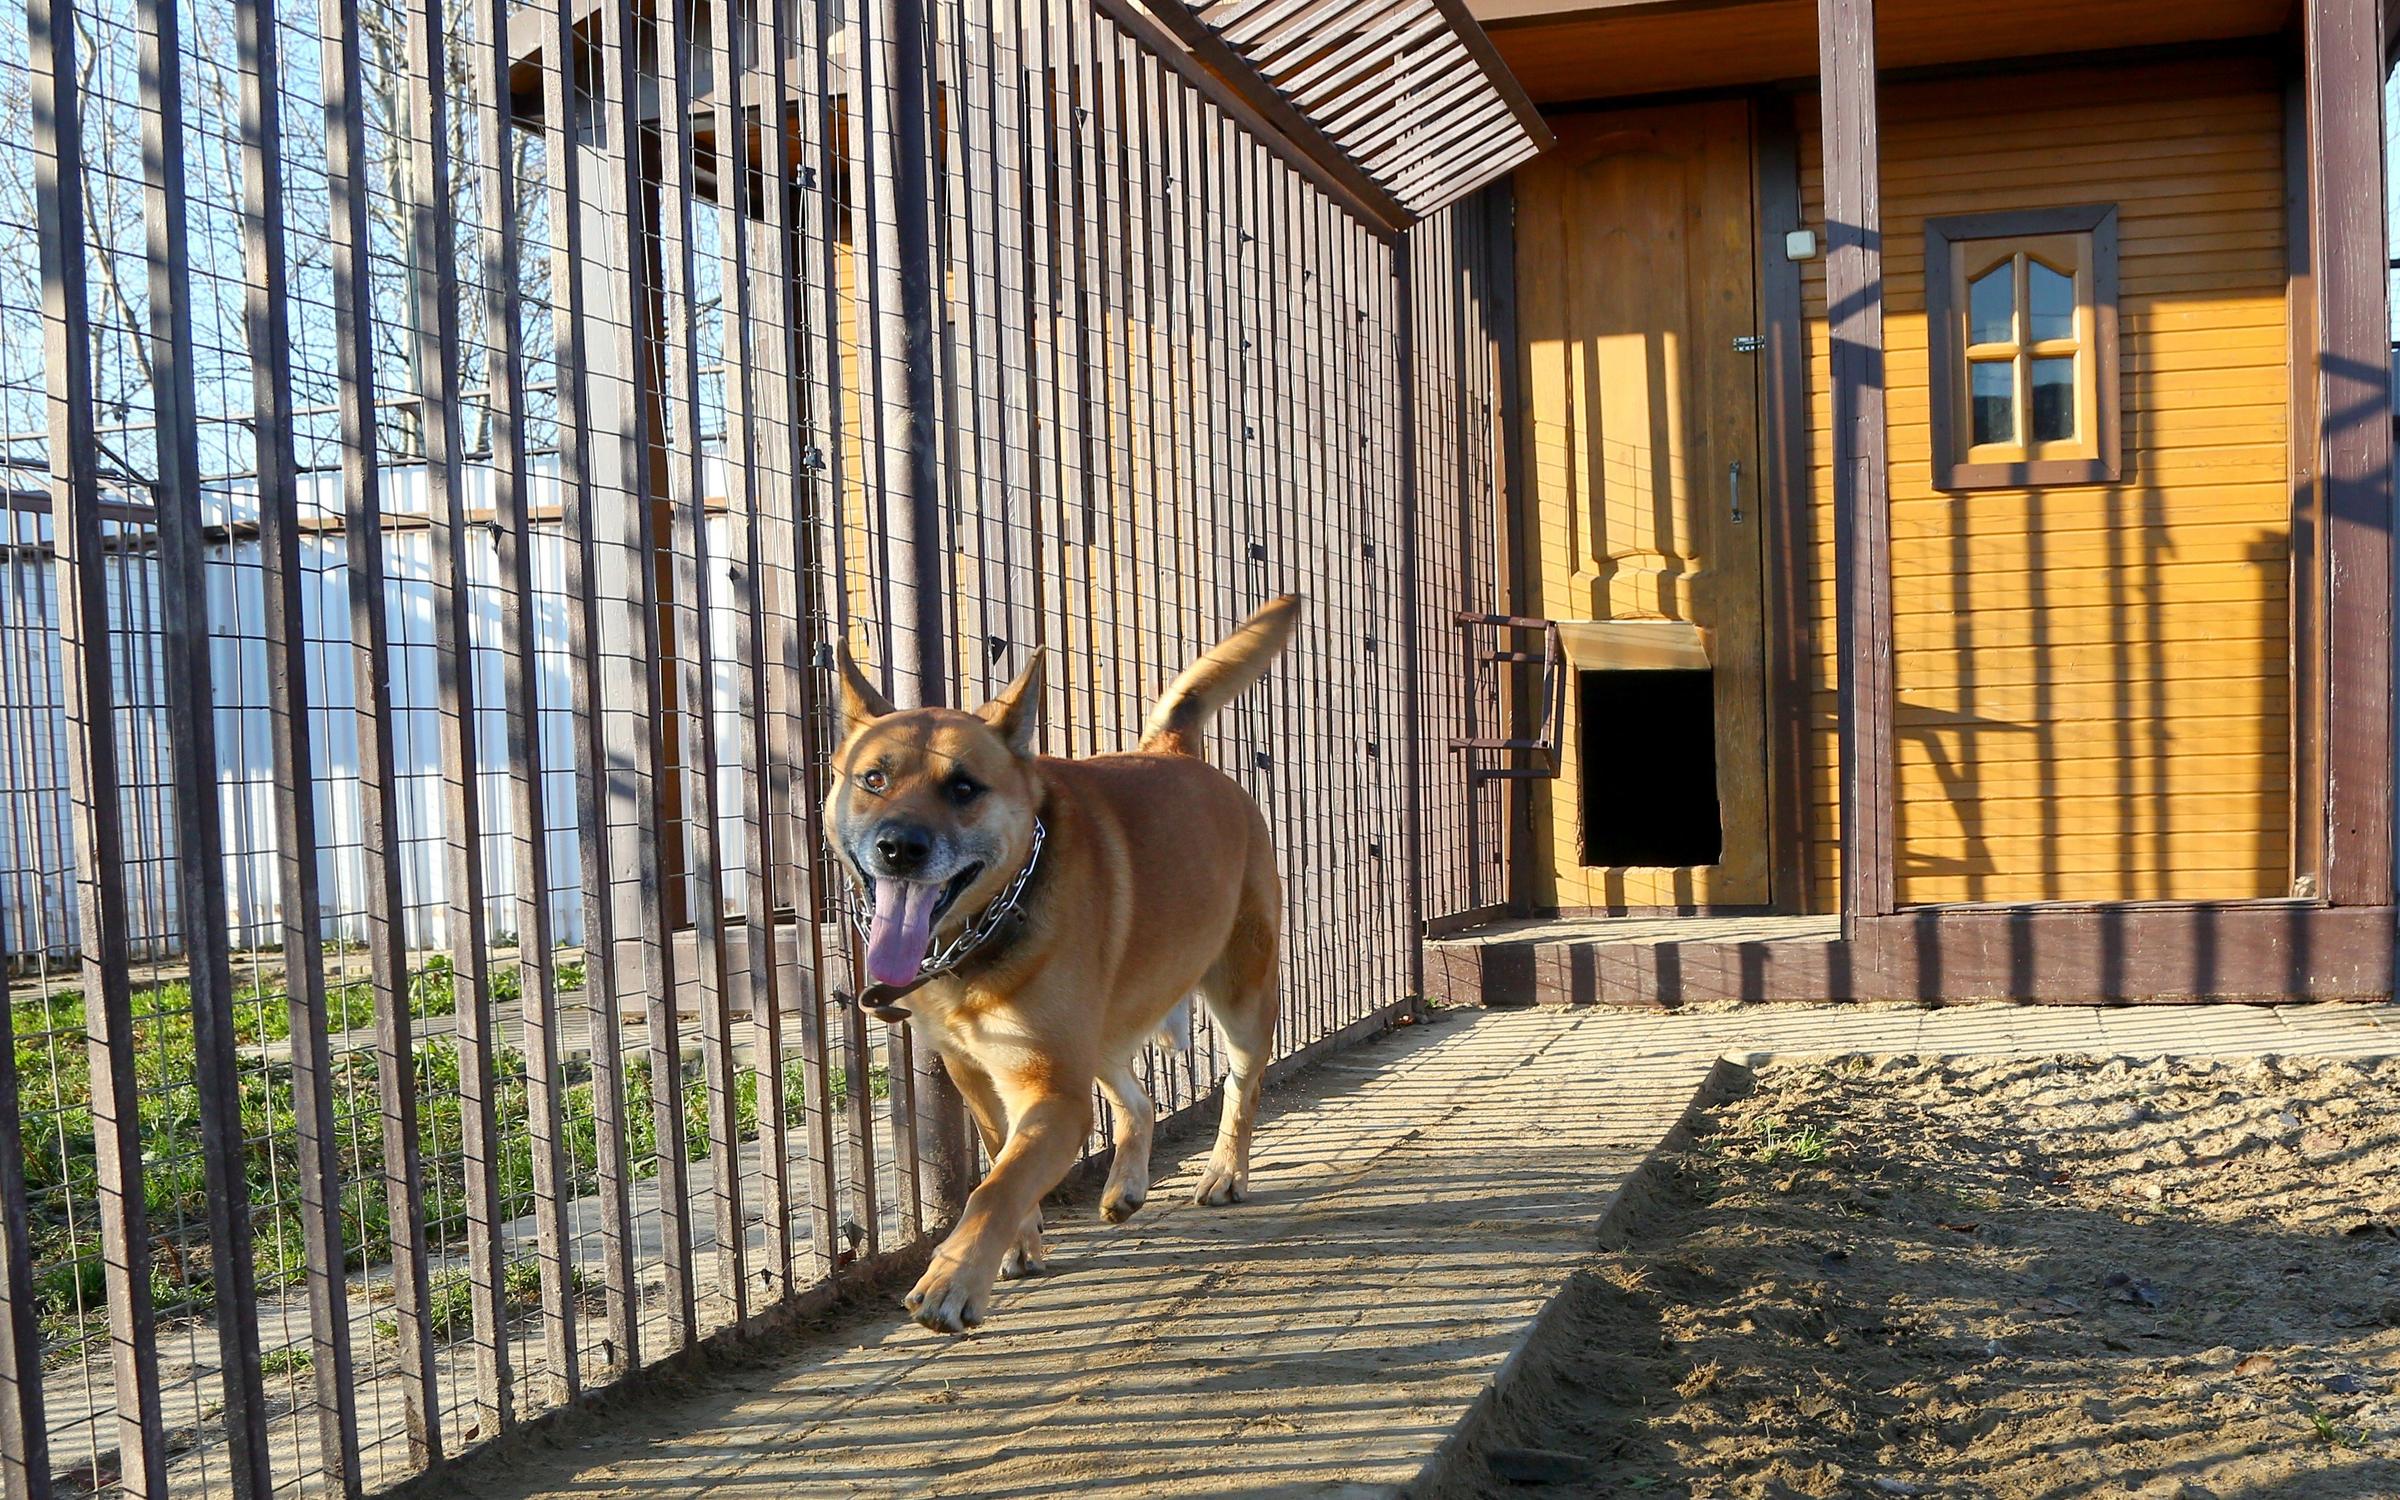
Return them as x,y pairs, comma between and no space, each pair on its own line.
874,780
962,790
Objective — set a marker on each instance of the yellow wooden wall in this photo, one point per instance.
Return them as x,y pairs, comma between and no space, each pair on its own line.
2092,680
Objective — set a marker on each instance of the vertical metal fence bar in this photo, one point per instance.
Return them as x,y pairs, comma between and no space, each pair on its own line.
1349,842
268,330
806,233
379,805
24,1423
1337,456
1142,583
861,393
578,503
644,790
894,351
1287,498
952,383
434,249
1402,301
831,1138
1168,443
1116,653
978,486
768,636
1355,482
1017,422
1251,715
1203,169
503,263
24,1420
199,841
1071,363
695,727
1082,527
1311,781
1045,485
1186,335
88,702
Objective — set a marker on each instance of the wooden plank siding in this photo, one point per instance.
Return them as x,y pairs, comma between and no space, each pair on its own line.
2092,681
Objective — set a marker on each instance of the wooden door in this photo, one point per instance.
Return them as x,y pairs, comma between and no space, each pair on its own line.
1636,269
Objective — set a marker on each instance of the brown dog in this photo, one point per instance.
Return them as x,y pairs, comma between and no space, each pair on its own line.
1065,911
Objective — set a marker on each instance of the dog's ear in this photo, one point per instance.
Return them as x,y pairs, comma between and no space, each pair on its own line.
862,702
1017,712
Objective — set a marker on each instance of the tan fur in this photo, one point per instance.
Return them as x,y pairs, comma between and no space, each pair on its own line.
1208,684
1158,878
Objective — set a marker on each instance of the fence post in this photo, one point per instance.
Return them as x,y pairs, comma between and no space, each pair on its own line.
1412,667
911,470
87,681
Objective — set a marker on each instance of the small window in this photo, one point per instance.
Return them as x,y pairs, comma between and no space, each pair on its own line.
2022,323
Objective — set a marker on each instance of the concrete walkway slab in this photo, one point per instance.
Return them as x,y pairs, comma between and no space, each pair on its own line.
1419,1201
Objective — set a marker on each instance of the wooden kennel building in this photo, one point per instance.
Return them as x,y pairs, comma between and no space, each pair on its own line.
1988,410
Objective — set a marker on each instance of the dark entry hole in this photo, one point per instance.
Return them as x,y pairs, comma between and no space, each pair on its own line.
1649,742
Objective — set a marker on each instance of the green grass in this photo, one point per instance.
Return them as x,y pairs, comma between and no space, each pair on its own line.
450,1299
1773,1138
62,1159
2330,1435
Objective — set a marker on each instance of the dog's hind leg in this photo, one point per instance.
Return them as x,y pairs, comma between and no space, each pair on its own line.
1136,1121
1242,994
1031,1252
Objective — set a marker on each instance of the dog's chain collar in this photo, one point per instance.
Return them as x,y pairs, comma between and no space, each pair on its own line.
996,914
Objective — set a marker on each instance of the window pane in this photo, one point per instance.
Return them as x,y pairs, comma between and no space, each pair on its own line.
2049,302
1992,395
2053,400
1992,305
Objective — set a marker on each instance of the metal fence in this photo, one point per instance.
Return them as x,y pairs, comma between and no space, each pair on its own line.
442,444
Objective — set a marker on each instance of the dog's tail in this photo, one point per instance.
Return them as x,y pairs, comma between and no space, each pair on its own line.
1214,680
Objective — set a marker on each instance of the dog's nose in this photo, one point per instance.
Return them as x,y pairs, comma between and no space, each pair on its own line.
904,848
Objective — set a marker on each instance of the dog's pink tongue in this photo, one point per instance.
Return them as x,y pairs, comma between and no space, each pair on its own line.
902,930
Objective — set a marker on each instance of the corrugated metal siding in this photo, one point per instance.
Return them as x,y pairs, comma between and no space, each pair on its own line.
2093,691
39,916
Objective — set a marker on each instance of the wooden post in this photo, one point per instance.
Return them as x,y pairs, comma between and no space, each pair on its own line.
1861,493
1412,678
2344,86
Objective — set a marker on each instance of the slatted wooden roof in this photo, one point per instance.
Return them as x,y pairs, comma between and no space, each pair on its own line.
1409,95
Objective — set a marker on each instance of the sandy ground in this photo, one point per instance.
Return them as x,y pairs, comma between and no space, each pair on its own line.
2011,1279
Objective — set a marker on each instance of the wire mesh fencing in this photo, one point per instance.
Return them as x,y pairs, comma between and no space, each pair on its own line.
441,445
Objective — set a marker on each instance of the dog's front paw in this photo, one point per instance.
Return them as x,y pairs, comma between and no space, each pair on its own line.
1221,1183
948,1298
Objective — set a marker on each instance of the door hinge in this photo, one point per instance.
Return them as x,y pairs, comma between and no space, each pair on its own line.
1749,343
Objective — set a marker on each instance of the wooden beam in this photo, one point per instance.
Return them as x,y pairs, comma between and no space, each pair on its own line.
1786,506
2139,953
1495,69
1234,72
2344,88
2307,605
1861,494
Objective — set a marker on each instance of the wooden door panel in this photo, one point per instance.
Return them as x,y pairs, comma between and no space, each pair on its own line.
1636,276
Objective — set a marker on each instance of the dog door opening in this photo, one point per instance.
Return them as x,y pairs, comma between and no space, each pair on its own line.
1649,742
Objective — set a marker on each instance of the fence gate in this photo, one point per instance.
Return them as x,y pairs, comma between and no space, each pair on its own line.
443,442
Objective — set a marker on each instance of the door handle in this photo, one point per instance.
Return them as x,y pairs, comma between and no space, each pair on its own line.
1734,480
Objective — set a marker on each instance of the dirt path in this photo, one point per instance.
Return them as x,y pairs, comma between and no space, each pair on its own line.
1416,1202
2009,1279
